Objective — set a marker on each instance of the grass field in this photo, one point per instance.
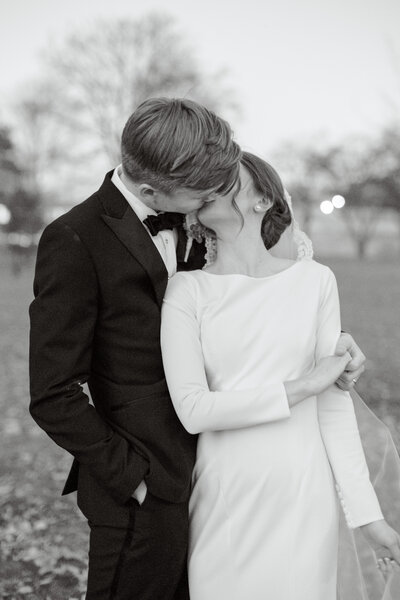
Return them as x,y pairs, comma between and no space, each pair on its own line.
43,536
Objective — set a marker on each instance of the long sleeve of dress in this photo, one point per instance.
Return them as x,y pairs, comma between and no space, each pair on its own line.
198,408
338,424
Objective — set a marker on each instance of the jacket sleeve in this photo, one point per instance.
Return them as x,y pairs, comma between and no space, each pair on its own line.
338,423
63,319
198,408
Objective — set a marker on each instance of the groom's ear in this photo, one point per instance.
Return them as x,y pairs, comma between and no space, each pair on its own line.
146,192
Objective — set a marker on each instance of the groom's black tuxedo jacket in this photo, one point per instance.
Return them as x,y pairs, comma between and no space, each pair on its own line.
99,286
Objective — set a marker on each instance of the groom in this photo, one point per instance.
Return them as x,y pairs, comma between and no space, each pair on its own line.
101,273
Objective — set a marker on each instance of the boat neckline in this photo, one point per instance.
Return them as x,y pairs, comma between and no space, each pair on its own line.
251,276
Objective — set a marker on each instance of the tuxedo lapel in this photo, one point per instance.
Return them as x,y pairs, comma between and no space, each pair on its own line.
128,228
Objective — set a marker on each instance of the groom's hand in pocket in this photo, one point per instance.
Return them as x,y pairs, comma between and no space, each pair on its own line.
356,366
140,493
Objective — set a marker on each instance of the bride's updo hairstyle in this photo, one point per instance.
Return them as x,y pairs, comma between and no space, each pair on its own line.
267,182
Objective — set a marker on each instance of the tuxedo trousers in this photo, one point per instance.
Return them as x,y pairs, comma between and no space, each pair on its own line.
144,561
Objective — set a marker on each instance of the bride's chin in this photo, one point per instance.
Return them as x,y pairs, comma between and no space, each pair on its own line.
208,223
204,224
203,218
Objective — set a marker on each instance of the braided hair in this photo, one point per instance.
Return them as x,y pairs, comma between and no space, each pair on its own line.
267,182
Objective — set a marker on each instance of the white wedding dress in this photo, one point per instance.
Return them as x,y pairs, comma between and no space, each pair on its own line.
264,510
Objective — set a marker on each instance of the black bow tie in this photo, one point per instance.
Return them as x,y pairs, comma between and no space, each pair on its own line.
168,220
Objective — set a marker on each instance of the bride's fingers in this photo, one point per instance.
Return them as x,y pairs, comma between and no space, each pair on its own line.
395,551
344,385
391,566
395,566
389,563
382,566
387,566
348,377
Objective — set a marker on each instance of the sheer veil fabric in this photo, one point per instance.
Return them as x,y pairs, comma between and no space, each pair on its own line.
358,576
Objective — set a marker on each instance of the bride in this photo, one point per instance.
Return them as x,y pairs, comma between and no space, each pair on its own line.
248,346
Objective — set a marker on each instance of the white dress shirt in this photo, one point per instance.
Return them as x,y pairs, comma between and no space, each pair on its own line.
165,241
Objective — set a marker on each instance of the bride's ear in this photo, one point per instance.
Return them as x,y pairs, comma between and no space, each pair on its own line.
262,205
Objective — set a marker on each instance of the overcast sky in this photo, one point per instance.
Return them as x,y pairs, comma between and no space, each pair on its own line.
300,67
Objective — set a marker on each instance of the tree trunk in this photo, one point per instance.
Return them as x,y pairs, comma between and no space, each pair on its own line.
362,247
398,219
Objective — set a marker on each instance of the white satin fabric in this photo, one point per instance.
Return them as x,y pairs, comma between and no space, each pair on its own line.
264,511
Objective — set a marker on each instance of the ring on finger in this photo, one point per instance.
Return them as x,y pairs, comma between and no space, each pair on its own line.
383,560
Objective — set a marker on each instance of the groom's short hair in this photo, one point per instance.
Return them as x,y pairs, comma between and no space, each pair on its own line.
173,142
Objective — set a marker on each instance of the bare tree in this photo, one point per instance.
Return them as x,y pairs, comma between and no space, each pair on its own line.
22,202
359,172
366,174
16,194
103,73
363,211
306,172
38,136
9,171
387,168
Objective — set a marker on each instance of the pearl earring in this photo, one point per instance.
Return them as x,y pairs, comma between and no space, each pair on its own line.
258,208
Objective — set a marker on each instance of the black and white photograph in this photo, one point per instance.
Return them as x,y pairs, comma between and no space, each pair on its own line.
200,300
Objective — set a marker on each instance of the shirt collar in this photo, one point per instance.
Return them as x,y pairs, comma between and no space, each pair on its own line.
139,207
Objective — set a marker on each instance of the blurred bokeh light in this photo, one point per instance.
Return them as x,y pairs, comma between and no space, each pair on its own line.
5,215
338,201
326,207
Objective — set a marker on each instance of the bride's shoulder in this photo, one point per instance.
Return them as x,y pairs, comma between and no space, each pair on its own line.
317,268
284,263
182,284
184,278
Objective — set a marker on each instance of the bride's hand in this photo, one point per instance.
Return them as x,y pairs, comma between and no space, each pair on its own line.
327,371
385,542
